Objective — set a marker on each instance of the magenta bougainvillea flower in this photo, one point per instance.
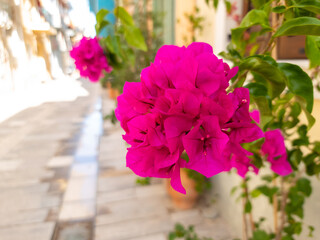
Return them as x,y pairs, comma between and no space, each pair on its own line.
181,106
90,59
275,150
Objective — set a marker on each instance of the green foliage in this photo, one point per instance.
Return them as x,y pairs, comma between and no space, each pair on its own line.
247,207
196,22
135,56
267,191
299,26
313,50
253,18
304,186
134,37
111,117
123,16
186,233
309,5
298,82
260,235
124,37
143,181
279,9
202,183
273,78
282,92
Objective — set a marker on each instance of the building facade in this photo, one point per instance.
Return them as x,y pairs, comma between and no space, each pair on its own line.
34,41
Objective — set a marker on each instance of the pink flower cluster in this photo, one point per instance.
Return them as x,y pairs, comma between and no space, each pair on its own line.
90,59
181,105
275,150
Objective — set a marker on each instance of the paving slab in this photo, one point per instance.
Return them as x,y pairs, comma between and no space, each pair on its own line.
23,217
39,231
60,161
133,228
77,210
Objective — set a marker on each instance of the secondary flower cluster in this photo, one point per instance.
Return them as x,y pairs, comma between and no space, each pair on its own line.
181,105
90,59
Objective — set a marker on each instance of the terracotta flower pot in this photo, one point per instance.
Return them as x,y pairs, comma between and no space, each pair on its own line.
113,93
180,200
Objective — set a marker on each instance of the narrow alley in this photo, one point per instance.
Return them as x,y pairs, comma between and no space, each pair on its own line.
63,177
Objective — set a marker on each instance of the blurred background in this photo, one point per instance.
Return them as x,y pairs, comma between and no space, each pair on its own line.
62,162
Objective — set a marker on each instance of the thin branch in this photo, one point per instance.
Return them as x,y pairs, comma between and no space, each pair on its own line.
284,198
244,221
233,85
282,210
275,208
246,192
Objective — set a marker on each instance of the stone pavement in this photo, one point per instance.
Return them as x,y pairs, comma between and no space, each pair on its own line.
42,184
126,211
63,178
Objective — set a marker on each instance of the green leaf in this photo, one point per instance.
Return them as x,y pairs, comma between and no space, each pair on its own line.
228,6
248,207
298,82
260,235
268,192
112,45
124,16
257,89
279,9
309,159
274,77
295,157
300,142
134,37
259,94
313,50
304,186
267,178
172,236
310,5
311,230
302,131
215,3
255,193
101,14
258,3
101,25
299,26
233,190
303,104
254,17
295,110
317,147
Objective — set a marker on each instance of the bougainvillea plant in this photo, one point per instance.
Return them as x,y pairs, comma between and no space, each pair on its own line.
95,57
90,59
282,92
181,106
184,105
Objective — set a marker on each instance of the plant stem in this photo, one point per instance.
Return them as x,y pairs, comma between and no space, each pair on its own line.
315,72
284,198
275,208
244,221
246,191
274,21
232,86
245,200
